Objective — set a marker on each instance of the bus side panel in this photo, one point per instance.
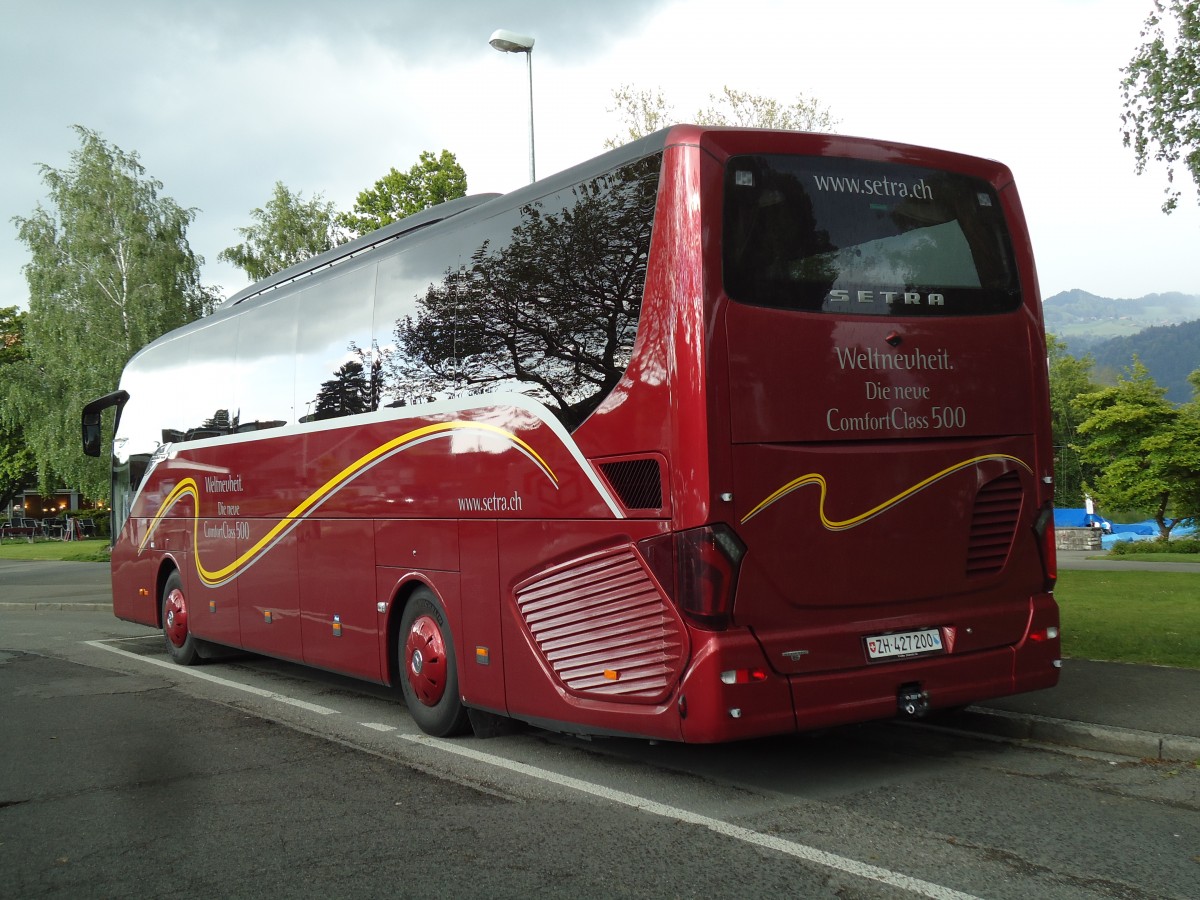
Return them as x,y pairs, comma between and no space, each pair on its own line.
134,584
268,596
481,668
339,623
214,606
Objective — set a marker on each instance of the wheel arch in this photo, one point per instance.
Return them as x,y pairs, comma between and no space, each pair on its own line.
166,568
401,595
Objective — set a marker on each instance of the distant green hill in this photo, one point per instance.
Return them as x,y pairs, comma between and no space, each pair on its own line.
1170,352
1084,320
1163,330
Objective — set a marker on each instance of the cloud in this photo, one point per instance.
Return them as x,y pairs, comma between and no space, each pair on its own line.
220,99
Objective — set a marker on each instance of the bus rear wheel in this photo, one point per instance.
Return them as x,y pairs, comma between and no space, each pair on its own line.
181,645
429,674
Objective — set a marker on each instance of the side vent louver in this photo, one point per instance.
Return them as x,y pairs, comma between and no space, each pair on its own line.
603,627
993,524
637,482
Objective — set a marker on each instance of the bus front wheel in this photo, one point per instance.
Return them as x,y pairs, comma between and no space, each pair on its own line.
181,645
429,675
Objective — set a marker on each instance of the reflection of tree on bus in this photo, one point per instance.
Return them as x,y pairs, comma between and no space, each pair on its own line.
556,308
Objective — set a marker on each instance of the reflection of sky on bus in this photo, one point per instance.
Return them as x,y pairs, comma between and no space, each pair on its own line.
223,98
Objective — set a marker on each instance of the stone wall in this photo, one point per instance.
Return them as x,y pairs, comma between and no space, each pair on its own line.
1077,538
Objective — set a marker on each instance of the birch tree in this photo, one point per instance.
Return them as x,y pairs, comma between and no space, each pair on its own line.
643,111
110,270
17,465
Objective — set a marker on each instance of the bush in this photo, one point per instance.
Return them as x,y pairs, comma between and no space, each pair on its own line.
1188,545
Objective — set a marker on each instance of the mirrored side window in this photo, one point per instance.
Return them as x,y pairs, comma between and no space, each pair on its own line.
406,279
338,371
265,368
543,299
206,399
148,419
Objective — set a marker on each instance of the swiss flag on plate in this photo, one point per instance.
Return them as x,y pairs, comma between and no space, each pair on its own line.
871,646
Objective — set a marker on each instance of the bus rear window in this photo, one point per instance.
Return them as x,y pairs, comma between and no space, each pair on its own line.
827,234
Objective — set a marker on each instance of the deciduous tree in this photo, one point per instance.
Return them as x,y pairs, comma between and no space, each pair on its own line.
17,465
1069,377
111,270
1160,89
286,231
430,181
746,110
643,112
1139,451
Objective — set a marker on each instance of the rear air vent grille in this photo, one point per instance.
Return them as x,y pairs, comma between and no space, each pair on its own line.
603,627
637,482
993,525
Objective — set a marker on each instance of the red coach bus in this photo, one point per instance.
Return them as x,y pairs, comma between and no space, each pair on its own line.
725,433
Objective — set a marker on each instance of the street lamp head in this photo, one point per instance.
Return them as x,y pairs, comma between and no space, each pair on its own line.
511,42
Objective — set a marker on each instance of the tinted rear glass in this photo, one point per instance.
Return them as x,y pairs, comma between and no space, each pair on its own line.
865,238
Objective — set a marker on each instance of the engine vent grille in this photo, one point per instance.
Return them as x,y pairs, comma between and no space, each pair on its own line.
638,482
602,626
994,524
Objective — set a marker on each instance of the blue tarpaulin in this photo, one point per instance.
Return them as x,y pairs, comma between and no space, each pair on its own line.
1079,518
1116,533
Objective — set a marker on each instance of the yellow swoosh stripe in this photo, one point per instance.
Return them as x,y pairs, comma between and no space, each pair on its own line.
188,487
830,525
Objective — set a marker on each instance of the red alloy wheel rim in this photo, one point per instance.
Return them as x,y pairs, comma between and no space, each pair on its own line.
175,618
425,660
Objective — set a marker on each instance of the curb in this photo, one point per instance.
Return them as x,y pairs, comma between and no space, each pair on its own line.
1082,735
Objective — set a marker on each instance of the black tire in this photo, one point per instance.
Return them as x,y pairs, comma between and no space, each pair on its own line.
177,636
428,667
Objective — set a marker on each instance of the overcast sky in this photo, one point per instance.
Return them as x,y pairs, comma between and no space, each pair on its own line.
222,98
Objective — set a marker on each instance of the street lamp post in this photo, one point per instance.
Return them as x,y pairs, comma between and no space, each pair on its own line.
509,42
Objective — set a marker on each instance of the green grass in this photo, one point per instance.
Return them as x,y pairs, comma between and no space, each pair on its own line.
1134,617
95,550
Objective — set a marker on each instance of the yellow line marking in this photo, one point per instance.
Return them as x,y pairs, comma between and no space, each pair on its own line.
188,487
830,525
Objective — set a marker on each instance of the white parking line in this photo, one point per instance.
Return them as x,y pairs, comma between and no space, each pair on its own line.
204,676
746,835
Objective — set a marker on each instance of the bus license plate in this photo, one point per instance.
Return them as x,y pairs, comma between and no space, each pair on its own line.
907,643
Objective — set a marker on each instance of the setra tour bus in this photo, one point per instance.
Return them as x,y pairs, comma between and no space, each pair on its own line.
724,433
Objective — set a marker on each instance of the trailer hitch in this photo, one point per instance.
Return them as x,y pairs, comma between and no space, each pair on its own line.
912,700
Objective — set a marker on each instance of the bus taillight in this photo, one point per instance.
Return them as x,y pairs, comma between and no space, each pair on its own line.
701,575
